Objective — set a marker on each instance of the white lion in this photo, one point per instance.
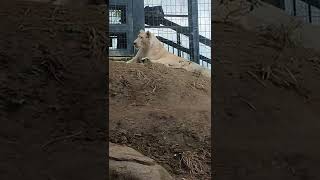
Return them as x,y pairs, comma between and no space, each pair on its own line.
152,50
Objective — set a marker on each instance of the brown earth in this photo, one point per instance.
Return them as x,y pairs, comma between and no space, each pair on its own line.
52,92
266,125
164,113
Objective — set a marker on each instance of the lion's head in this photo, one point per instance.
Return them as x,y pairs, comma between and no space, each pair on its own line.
143,40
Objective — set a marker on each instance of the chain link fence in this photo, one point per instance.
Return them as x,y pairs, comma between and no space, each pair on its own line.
117,16
174,23
305,10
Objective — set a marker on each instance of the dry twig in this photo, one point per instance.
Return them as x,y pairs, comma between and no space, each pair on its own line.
154,89
291,75
60,139
257,78
249,104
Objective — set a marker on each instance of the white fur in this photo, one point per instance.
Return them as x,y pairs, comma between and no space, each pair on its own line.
151,48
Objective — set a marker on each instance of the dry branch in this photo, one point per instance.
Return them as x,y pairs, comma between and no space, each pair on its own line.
257,78
60,139
249,104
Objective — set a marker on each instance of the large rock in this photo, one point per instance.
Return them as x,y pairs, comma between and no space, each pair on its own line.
126,163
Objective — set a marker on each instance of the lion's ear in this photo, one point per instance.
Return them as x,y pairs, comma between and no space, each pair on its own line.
148,34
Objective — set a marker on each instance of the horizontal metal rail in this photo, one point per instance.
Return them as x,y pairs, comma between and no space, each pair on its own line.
180,29
181,48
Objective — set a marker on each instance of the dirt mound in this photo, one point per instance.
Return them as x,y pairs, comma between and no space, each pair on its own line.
266,105
164,113
157,84
52,89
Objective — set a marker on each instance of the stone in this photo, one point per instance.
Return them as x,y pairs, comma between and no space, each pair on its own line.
126,163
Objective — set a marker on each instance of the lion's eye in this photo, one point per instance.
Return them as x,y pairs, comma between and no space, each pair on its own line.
140,37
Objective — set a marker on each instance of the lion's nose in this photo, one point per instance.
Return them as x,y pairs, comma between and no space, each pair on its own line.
134,43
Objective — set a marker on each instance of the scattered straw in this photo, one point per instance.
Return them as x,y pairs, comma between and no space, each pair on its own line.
192,162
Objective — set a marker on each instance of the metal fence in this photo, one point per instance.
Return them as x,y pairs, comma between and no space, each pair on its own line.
124,24
204,10
184,26
306,10
117,16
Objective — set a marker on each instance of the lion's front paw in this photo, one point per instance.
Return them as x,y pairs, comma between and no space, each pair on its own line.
145,60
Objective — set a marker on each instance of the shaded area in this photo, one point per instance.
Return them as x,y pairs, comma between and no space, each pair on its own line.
266,106
52,92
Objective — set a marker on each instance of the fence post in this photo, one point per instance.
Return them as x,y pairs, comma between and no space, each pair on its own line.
309,13
194,30
294,7
179,43
138,14
281,4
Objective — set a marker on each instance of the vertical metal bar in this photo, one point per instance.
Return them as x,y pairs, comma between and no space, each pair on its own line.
194,30
309,13
138,19
281,4
109,43
138,16
294,7
179,43
129,29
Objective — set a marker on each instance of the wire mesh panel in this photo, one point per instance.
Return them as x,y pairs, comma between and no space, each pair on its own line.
117,14
172,23
305,10
117,41
302,11
204,9
315,13
118,19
